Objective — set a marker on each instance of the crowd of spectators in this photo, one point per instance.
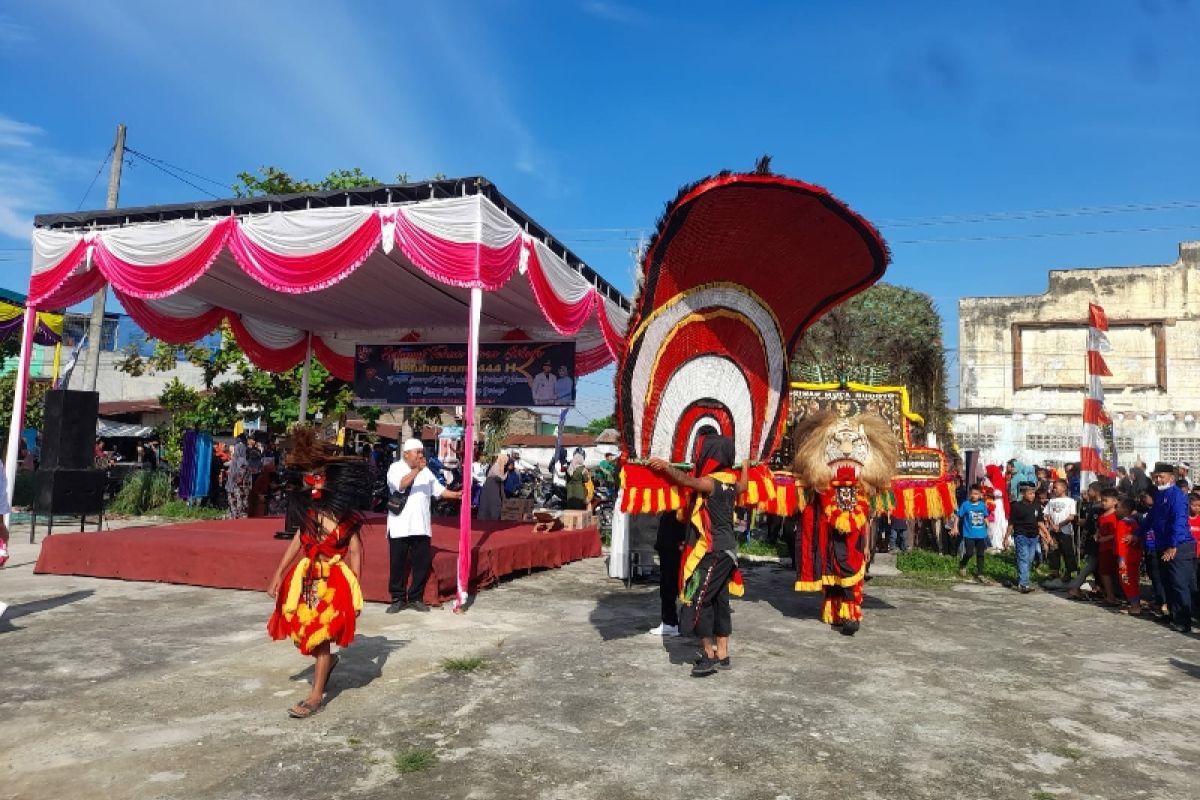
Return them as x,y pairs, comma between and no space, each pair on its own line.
1127,542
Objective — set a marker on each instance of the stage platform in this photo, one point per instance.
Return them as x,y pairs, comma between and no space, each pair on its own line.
243,554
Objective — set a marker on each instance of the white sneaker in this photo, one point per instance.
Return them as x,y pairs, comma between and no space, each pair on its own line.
664,629
3,608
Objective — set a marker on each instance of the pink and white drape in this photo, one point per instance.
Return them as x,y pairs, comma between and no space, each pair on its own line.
165,273
1093,461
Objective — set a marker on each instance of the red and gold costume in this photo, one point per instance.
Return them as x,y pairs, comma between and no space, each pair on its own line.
841,464
831,548
320,597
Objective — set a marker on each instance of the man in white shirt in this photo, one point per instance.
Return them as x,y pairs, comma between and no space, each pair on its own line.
544,386
1060,513
410,532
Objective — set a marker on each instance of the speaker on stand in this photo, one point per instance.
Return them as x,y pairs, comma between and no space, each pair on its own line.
66,482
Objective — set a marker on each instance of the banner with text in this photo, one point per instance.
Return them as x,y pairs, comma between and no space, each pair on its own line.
511,374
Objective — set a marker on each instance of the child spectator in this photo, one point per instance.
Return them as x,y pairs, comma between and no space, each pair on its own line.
1061,512
1041,497
1090,509
1128,551
1107,530
971,520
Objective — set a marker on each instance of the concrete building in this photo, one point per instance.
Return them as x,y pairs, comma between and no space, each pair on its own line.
1022,362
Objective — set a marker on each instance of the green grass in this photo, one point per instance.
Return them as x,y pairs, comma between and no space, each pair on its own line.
463,664
354,741
417,759
1068,752
178,509
1044,796
1000,567
757,547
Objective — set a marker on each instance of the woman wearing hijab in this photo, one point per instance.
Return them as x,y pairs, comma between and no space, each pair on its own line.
491,497
577,478
710,572
238,480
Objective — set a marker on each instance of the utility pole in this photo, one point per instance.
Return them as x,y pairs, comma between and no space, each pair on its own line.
91,364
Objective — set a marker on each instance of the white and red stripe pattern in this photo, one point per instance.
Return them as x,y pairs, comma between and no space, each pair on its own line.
1092,462
334,272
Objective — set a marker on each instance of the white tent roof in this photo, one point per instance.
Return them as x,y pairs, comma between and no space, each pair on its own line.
361,266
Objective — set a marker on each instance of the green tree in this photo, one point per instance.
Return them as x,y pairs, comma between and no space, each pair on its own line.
599,426
35,401
885,335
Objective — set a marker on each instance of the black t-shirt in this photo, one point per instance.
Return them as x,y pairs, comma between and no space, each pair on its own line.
1025,517
1088,522
720,513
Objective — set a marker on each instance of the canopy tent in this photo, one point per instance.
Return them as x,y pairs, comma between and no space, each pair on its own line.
12,316
313,274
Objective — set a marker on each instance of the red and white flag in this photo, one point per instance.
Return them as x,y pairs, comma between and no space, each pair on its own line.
1097,450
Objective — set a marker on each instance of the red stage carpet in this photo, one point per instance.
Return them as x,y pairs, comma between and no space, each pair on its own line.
243,554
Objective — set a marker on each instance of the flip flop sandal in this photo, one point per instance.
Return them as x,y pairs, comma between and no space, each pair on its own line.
303,710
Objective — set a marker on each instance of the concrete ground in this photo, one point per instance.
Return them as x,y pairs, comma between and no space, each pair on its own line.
135,690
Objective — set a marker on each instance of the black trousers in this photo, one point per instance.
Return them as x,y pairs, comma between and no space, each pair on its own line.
711,604
1177,577
669,559
1154,571
1065,554
413,554
977,547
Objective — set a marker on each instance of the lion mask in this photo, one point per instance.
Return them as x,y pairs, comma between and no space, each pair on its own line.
825,442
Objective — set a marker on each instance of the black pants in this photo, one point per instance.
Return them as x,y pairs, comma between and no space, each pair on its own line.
1177,580
977,547
669,559
1065,553
1153,563
711,604
415,555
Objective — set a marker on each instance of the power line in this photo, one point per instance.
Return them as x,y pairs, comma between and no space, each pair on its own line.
95,177
1040,213
166,163
180,178
971,217
1056,235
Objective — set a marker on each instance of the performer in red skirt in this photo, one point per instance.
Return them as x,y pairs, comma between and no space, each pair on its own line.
317,597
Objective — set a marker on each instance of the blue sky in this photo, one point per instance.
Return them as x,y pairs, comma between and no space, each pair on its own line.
590,114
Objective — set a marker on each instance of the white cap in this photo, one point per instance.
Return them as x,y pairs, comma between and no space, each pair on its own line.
412,444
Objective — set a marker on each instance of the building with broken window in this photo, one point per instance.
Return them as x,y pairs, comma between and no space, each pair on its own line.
1022,362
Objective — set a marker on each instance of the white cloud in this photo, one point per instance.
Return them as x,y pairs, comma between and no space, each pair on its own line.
302,85
613,12
13,33
17,134
33,177
478,76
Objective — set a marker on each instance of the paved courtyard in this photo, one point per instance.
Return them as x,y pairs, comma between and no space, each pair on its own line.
134,690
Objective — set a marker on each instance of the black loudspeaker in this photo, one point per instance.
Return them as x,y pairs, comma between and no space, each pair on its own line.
68,491
69,434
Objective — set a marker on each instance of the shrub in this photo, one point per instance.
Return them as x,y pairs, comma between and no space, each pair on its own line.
142,491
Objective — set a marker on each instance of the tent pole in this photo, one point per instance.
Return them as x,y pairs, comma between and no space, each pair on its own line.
468,459
304,379
20,394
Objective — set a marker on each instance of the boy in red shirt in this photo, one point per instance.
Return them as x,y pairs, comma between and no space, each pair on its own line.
1107,530
1128,548
1194,515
